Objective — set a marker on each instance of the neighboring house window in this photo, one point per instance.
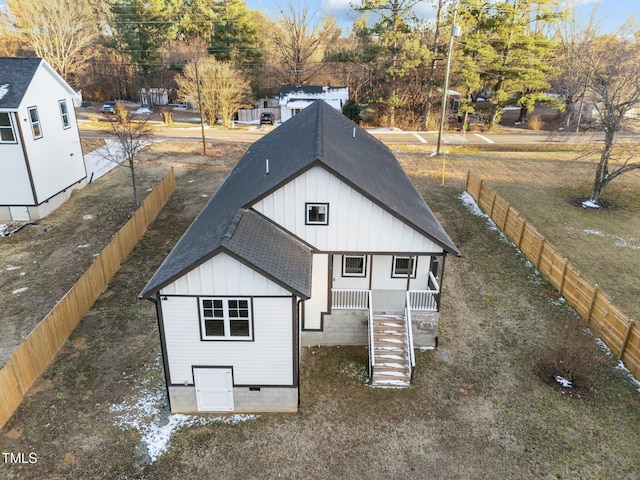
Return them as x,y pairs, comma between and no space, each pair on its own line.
354,266
64,114
35,122
6,129
225,318
317,213
401,266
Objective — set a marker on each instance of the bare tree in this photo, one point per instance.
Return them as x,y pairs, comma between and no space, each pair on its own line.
131,133
218,87
63,32
611,68
299,38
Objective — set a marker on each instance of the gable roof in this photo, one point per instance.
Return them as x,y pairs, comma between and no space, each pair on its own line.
318,136
16,75
307,89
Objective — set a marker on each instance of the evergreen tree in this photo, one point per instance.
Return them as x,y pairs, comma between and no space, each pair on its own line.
235,33
351,110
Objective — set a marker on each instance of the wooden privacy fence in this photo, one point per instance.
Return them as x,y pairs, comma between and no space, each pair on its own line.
620,333
33,355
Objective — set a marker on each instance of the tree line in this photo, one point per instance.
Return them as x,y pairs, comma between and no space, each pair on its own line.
223,55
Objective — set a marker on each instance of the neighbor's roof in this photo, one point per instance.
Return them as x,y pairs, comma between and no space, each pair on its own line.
15,76
308,89
318,136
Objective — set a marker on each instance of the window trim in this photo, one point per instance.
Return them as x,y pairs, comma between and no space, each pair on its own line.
226,318
64,115
35,123
308,206
10,128
357,275
414,266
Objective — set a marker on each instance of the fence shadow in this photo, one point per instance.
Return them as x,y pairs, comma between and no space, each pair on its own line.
33,355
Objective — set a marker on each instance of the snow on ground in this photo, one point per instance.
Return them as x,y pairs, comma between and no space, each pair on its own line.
471,205
619,240
589,204
149,415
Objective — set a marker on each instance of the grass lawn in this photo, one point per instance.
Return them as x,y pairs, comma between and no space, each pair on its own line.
546,188
476,409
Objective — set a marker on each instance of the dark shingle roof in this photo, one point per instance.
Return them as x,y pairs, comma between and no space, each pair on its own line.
16,74
319,135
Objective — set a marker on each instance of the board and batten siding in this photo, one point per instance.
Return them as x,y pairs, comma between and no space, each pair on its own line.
15,186
55,160
223,275
379,274
318,303
267,360
356,224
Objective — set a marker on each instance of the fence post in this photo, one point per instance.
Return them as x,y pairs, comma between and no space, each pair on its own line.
593,303
524,225
540,253
564,273
506,216
626,338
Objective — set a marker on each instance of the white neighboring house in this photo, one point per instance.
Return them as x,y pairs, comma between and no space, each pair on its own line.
295,98
316,237
41,156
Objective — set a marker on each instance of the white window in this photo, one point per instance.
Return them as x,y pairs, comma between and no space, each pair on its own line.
317,214
64,114
35,122
7,134
402,265
354,266
225,318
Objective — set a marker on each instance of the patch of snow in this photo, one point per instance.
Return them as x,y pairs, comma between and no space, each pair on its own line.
141,111
595,233
88,217
86,245
563,381
589,204
11,267
149,415
4,89
619,241
605,348
471,205
425,349
20,290
385,130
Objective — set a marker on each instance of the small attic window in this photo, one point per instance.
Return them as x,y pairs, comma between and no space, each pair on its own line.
317,213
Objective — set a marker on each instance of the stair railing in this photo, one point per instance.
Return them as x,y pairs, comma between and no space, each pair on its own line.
409,323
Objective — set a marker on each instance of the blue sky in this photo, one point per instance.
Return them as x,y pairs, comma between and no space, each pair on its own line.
612,13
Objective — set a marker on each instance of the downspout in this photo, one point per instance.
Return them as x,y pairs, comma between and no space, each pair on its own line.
299,323
156,302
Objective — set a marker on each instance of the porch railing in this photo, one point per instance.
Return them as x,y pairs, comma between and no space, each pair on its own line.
372,356
350,299
426,300
412,356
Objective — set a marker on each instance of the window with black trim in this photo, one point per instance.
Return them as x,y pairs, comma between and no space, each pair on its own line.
225,318
35,122
64,114
7,135
354,266
317,213
401,266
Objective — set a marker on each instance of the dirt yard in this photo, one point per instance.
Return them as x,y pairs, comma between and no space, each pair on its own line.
476,409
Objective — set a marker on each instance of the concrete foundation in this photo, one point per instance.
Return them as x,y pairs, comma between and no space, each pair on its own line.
342,327
245,399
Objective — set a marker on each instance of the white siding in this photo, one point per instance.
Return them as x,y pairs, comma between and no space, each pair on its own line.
356,224
267,360
319,292
223,275
55,160
15,187
382,270
350,282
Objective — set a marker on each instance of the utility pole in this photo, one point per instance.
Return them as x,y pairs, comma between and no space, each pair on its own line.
445,93
204,141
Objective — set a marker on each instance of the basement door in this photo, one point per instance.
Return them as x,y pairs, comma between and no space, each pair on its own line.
214,389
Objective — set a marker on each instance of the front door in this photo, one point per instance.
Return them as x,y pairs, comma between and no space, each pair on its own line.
214,389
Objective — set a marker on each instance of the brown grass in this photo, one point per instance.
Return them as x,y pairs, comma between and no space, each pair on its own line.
476,409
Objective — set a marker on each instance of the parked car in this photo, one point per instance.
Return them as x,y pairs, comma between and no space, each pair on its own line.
267,118
108,107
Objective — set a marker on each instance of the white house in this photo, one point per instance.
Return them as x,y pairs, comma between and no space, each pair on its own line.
41,156
294,98
317,236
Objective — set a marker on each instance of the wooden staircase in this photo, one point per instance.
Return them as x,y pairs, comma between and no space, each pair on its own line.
392,367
